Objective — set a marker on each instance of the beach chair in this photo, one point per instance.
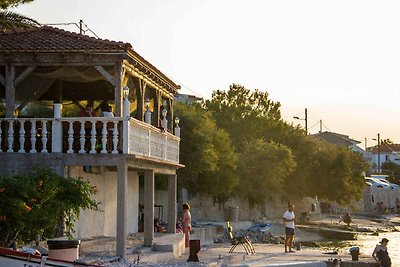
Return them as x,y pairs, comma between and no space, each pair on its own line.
243,240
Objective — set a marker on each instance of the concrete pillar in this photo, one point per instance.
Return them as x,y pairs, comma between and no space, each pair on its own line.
148,208
118,90
10,91
56,136
122,200
172,181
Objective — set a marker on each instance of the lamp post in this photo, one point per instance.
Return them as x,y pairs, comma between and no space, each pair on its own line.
305,119
379,152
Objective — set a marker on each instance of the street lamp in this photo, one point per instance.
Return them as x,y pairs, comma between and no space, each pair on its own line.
379,152
305,119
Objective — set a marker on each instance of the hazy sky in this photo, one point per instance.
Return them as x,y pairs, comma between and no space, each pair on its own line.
339,59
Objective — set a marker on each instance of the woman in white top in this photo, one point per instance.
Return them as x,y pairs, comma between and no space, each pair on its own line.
106,110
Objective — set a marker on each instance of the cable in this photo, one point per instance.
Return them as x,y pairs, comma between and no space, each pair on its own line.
185,86
76,24
397,154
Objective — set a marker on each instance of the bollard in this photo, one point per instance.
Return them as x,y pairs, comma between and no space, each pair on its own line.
355,252
194,248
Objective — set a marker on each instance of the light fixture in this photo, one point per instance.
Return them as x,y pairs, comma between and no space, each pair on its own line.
126,92
177,120
164,112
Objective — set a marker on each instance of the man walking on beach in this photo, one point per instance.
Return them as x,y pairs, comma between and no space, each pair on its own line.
288,218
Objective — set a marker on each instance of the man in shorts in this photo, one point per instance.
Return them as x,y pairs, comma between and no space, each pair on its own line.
288,218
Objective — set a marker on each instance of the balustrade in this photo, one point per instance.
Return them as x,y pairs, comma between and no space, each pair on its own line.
91,135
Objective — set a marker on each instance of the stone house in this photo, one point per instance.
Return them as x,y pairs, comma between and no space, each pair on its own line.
55,68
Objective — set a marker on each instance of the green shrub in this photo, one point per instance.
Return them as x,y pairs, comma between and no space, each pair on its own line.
34,203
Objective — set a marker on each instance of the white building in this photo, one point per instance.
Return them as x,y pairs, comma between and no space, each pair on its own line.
383,153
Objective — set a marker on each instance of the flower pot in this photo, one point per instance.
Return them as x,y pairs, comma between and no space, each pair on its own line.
64,249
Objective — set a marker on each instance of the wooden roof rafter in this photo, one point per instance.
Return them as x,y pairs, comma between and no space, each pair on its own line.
148,80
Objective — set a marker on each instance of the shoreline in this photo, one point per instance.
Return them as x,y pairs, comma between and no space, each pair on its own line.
267,254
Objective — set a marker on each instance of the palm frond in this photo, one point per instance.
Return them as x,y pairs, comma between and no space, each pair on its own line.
11,20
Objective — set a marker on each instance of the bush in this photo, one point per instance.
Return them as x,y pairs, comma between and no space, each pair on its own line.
34,203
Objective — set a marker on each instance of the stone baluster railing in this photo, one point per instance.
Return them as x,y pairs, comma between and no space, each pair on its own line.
10,138
21,136
44,137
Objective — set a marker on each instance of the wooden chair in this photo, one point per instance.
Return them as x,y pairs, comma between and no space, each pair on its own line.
243,240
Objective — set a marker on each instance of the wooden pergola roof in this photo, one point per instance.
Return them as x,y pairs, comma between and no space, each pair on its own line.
48,46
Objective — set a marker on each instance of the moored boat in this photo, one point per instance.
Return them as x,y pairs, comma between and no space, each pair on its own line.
13,258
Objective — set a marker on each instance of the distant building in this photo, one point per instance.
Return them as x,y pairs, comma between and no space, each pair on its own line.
339,140
188,99
385,153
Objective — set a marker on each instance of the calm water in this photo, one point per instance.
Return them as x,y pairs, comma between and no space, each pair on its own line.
367,245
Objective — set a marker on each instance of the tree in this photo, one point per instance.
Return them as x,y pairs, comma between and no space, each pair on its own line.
11,20
250,115
207,153
33,204
4,4
393,170
239,108
263,167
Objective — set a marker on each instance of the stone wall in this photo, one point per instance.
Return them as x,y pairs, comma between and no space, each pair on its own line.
203,208
373,195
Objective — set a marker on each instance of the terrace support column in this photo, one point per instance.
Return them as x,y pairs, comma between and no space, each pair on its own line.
148,208
122,200
10,91
118,90
172,181
170,115
140,100
56,137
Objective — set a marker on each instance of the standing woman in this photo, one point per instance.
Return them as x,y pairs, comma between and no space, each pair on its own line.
186,222
381,254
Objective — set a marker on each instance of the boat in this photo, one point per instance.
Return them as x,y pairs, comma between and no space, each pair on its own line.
330,232
14,258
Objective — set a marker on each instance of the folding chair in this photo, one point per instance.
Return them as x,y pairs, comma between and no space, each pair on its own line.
235,241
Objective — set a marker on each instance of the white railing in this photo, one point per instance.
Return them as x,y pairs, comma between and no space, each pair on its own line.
147,140
91,135
25,135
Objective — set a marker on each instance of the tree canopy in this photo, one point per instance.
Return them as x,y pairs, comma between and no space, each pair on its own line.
272,155
4,4
207,153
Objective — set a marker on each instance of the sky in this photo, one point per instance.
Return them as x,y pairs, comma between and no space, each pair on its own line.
339,59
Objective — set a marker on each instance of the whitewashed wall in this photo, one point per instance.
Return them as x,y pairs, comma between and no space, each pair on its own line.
373,195
97,224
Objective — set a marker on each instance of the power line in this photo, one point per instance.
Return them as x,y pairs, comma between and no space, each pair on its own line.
80,26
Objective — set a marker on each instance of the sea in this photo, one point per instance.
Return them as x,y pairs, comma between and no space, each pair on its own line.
367,244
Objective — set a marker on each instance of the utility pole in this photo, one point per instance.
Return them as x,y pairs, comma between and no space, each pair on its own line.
365,143
81,26
379,153
305,118
320,126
